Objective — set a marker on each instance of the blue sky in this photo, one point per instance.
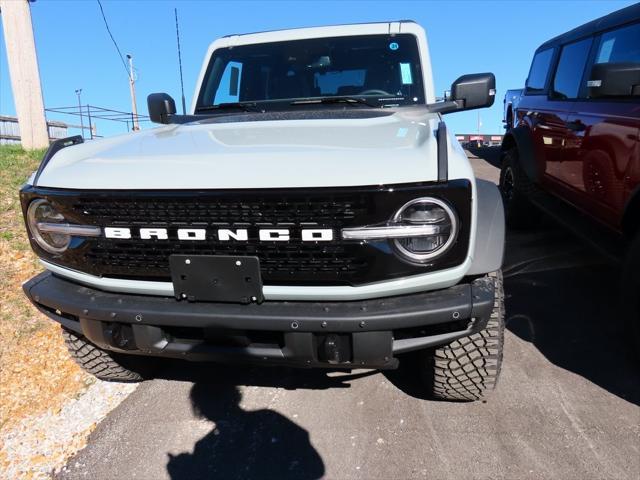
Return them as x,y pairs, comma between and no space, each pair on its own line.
75,51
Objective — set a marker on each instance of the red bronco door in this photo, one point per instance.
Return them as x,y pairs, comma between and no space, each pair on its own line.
601,159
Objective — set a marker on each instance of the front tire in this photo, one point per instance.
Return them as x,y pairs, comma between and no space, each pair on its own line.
104,365
468,368
516,190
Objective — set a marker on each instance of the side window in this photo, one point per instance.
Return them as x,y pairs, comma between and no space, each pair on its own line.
229,87
568,77
620,46
539,71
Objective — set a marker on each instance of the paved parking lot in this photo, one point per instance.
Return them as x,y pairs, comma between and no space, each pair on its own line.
567,405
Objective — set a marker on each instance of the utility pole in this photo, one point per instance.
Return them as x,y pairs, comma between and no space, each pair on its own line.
24,73
132,87
78,92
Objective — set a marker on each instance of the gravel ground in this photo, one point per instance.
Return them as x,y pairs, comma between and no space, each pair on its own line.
40,445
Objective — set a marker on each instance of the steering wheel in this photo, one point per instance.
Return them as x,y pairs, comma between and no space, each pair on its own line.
374,91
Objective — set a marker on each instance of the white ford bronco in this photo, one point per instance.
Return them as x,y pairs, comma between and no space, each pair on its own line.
312,209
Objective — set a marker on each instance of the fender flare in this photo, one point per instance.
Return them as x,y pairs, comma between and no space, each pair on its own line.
488,252
520,137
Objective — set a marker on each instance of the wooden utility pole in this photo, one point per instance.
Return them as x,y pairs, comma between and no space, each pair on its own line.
25,76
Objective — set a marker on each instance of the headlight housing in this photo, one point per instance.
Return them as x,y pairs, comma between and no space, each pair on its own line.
431,242
419,231
42,219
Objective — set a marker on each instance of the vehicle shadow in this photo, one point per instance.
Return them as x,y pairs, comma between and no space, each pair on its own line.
564,299
246,443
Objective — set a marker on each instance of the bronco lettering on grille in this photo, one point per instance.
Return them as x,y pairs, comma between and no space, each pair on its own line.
222,234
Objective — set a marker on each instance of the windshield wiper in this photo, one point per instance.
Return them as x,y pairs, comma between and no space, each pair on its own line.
244,106
333,100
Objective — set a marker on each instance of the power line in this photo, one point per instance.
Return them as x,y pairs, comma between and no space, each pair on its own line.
124,65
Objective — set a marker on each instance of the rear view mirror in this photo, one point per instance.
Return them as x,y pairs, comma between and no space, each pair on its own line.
477,90
161,106
614,80
234,82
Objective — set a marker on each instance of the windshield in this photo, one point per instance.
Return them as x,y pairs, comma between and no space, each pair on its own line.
384,70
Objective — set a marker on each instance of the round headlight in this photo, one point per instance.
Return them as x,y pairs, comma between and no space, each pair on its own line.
426,212
41,212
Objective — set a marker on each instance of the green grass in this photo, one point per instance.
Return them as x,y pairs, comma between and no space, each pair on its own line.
16,165
17,263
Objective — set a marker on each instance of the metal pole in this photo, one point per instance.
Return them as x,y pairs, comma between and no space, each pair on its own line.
132,87
90,128
78,92
184,110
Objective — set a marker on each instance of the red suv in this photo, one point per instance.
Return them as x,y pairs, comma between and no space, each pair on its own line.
574,149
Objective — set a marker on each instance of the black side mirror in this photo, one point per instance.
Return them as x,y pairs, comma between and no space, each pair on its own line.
614,80
477,90
161,106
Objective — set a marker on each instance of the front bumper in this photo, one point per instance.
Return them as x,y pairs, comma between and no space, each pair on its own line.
366,333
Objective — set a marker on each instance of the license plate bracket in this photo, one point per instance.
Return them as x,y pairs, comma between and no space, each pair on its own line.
216,278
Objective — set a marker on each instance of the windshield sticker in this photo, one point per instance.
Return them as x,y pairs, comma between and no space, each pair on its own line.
394,46
405,73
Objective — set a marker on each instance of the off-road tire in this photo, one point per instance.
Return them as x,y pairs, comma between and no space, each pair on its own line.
109,366
516,190
467,369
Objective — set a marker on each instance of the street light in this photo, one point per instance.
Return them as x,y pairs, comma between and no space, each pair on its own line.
78,92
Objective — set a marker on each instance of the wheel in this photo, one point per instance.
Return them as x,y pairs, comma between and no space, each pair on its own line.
109,366
467,369
516,190
630,289
600,178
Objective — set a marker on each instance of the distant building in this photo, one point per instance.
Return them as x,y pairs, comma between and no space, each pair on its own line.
10,130
482,139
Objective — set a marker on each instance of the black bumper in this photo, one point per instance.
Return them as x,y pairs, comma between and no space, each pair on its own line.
364,333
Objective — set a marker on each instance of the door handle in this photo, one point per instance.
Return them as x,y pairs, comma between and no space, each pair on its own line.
576,126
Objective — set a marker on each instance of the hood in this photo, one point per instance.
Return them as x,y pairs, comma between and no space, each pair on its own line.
284,153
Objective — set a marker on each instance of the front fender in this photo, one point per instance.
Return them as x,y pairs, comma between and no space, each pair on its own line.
520,138
488,252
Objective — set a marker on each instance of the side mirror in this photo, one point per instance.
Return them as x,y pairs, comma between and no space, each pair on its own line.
161,106
614,80
477,90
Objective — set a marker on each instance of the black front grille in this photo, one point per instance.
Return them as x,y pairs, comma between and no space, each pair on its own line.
276,260
293,262
224,211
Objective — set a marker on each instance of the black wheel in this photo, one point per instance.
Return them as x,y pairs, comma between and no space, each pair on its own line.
467,369
516,190
109,366
630,297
